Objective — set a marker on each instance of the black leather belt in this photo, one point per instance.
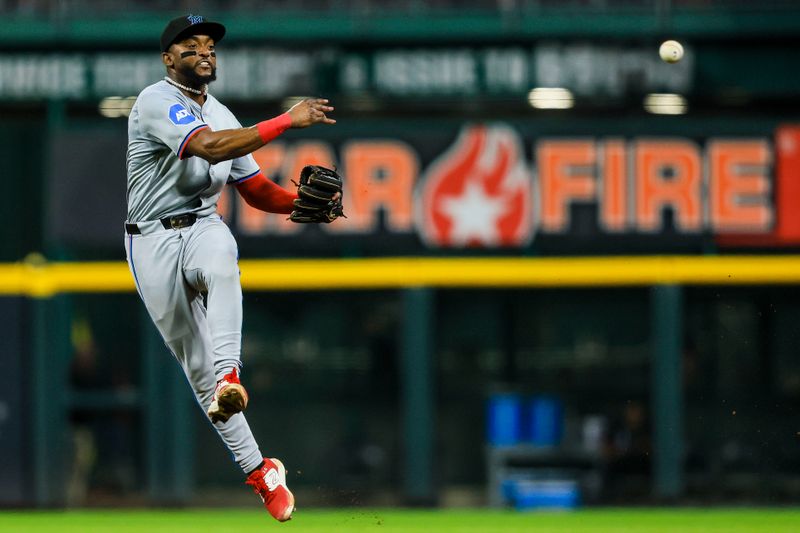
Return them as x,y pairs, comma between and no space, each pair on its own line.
174,222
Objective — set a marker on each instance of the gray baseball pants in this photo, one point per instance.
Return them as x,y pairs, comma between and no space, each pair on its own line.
172,267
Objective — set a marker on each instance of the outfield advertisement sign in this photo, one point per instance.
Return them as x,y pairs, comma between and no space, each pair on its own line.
492,188
420,187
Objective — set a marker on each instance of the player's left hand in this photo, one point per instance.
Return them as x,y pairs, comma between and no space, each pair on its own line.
319,196
311,111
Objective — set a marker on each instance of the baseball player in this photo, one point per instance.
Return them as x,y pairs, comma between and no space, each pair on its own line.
184,146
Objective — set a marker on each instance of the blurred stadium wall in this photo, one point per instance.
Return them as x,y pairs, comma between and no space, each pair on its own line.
514,131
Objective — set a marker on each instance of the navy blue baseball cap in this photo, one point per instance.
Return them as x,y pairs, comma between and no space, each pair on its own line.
188,25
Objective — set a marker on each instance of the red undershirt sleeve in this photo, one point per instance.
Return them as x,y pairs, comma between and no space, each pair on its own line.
266,195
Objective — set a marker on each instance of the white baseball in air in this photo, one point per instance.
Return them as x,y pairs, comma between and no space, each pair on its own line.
671,51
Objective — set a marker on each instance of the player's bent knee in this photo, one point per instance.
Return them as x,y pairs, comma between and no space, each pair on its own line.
221,271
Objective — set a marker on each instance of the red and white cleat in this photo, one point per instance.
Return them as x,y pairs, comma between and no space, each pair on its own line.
229,398
269,482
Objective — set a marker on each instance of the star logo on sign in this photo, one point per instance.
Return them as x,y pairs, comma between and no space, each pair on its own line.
474,215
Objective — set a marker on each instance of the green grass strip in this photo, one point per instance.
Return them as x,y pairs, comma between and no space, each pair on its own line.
393,520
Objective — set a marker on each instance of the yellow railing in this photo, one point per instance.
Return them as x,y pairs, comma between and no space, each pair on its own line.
42,280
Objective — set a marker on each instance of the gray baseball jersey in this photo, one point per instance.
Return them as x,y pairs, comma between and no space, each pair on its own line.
161,180
172,268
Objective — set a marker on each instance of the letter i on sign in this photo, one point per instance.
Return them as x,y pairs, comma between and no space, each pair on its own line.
614,196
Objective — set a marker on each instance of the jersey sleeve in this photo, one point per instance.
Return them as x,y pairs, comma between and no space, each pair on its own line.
168,120
243,168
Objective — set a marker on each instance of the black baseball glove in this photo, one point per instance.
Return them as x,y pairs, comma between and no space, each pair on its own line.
319,196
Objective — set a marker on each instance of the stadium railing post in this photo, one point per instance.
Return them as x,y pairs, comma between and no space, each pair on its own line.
667,395
417,395
168,425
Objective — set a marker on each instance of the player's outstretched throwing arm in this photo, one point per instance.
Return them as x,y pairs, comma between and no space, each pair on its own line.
217,146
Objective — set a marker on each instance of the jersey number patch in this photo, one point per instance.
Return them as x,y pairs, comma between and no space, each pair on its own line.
179,115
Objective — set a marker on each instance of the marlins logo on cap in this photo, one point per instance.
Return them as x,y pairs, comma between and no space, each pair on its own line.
186,26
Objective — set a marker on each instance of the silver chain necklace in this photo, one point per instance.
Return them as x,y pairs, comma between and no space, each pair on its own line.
184,87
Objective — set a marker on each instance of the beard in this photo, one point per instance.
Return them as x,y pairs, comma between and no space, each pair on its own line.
194,78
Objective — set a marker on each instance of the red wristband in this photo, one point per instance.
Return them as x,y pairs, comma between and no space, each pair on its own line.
269,129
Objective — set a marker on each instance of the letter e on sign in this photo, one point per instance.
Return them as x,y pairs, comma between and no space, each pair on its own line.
739,188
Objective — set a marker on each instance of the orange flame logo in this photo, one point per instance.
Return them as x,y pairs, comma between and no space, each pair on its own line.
478,193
